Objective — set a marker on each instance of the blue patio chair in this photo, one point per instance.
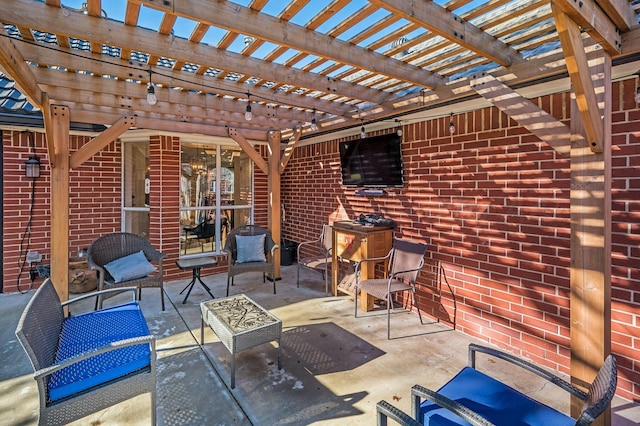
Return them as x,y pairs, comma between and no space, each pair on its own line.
474,398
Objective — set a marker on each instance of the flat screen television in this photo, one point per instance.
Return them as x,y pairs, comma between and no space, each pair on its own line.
372,162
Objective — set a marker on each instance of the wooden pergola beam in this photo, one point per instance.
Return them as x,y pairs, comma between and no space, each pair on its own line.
14,65
76,25
452,27
578,67
249,150
59,124
590,274
273,188
123,69
234,17
591,18
94,146
288,151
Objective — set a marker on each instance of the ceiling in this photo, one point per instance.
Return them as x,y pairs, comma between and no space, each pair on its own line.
338,63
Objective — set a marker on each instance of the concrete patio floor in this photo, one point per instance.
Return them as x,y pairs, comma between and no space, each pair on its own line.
335,367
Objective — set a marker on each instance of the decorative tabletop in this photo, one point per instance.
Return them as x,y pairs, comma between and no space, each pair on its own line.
240,313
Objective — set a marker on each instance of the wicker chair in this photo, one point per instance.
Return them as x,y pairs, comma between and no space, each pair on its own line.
316,255
475,398
110,247
237,268
89,361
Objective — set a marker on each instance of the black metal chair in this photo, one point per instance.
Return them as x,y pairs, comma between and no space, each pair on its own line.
316,255
404,261
202,232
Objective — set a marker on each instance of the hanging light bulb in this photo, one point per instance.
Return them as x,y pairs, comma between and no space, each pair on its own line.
247,114
399,129
452,127
638,95
314,124
151,95
151,92
363,133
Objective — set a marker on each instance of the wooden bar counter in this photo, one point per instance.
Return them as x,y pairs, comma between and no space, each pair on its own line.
355,242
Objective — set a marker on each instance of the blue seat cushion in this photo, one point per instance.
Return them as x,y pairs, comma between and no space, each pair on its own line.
88,331
497,402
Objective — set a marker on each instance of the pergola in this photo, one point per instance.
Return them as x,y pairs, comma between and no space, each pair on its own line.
305,67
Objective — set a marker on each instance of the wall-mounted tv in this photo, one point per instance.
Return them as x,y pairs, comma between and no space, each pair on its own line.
372,162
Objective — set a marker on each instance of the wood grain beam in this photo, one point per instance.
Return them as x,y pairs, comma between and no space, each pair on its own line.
76,25
590,273
94,146
129,96
53,20
234,17
581,80
588,15
60,200
14,66
620,12
288,150
273,188
525,113
246,146
124,69
450,26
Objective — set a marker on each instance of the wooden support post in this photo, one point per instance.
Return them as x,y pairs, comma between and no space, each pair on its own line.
590,303
59,123
274,195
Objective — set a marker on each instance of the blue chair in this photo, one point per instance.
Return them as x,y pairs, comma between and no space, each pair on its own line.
474,398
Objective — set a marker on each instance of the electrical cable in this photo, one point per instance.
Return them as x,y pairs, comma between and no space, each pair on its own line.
27,232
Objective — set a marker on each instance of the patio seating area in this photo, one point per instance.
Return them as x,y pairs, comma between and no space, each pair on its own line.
335,367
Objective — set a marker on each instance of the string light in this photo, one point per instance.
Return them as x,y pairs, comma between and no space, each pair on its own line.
314,124
452,127
399,129
247,114
151,92
363,133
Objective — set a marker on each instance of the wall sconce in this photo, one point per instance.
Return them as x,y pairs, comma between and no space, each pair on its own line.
32,167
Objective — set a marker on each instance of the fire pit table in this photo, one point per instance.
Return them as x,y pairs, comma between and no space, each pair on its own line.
240,324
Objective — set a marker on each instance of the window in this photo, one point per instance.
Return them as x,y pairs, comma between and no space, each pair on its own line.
216,194
135,188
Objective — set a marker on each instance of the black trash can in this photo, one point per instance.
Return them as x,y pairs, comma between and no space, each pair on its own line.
288,251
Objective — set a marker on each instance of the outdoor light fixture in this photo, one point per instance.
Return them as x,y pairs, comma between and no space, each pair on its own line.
314,124
247,114
363,133
32,167
151,92
638,95
452,127
399,129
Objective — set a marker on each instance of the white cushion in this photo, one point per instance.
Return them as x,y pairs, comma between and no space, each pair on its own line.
250,248
130,267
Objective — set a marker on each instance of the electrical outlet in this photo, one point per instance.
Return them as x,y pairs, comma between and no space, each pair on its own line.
33,257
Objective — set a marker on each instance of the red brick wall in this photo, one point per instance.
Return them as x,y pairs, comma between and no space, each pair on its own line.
491,200
95,193
493,203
